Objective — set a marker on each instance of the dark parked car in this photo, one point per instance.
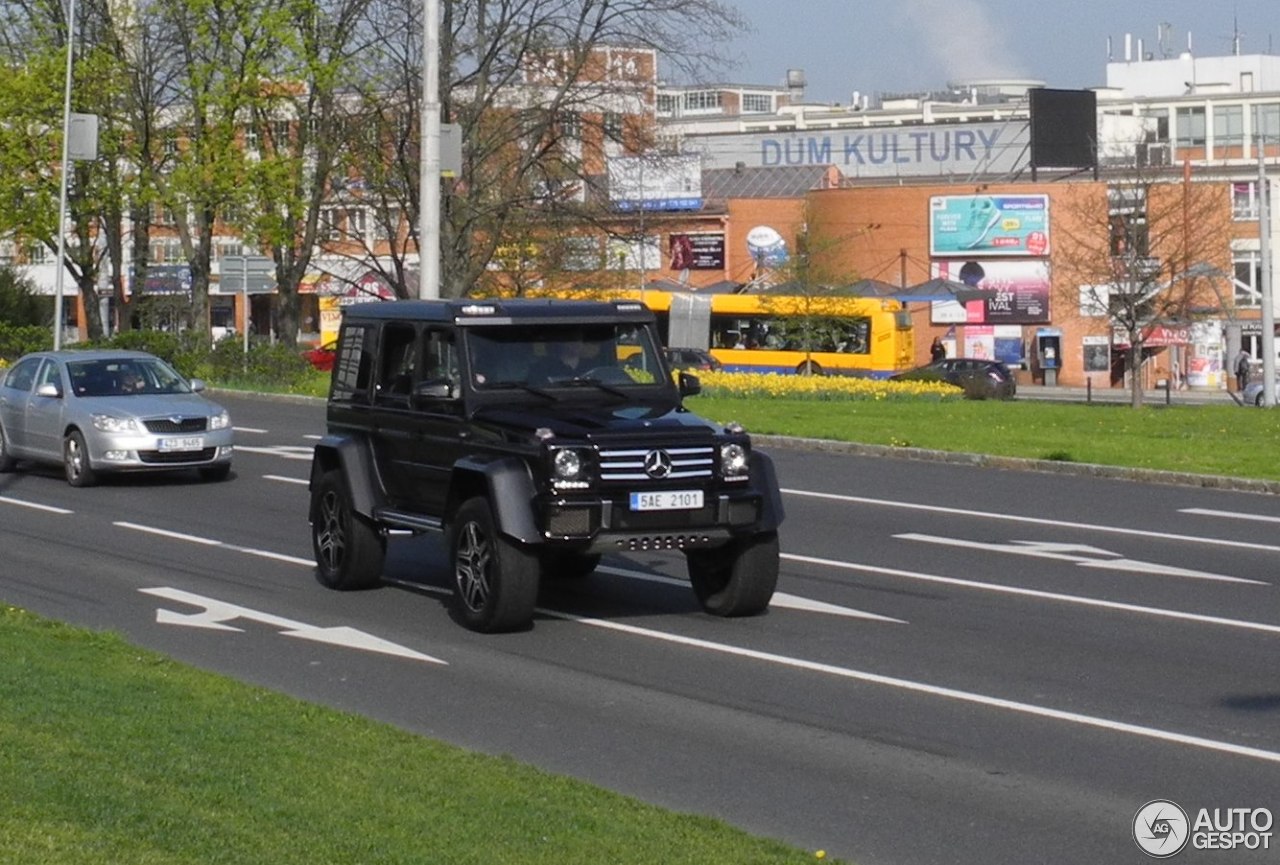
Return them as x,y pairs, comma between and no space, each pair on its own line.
980,379
99,411
691,359
535,435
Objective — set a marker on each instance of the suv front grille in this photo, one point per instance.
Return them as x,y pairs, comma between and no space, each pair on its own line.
629,464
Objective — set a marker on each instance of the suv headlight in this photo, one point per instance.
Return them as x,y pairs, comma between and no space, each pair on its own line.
220,421
570,468
734,464
108,423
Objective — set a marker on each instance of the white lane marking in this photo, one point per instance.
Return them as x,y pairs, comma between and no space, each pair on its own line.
289,452
209,542
780,599
1092,557
1036,593
285,480
918,687
313,437
216,612
1231,515
249,429
35,506
933,690
1038,521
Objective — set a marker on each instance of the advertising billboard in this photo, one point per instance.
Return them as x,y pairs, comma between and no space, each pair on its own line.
655,182
702,251
1019,292
972,225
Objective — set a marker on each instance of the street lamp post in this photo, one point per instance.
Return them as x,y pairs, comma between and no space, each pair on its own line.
62,194
429,158
1268,312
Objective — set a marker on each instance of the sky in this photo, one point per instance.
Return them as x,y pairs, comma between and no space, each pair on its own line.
907,46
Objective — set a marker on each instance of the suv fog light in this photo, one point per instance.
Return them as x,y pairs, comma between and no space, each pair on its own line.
116,455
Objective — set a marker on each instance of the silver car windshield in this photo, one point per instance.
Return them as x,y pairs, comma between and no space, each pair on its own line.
124,377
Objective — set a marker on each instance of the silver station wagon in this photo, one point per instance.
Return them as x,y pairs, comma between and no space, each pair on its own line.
107,410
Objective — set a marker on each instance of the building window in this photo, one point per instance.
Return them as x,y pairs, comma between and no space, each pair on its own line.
1244,200
1189,127
356,224
613,125
388,227
251,137
280,135
1266,122
667,104
1248,277
1228,129
330,227
757,103
571,125
702,100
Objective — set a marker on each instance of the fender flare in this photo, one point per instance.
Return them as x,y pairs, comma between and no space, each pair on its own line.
508,485
765,481
351,456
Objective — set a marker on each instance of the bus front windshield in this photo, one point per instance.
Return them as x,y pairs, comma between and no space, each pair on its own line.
615,355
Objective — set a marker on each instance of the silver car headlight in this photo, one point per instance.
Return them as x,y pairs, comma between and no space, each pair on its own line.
109,423
733,461
220,421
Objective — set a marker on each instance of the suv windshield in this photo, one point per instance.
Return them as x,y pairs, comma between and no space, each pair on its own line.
609,355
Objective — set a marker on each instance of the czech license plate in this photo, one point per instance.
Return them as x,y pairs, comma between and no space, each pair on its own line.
187,443
667,500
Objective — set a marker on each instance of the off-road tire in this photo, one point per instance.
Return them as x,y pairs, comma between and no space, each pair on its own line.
349,550
736,580
496,579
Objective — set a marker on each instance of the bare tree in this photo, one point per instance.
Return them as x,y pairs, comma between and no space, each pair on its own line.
1133,252
540,102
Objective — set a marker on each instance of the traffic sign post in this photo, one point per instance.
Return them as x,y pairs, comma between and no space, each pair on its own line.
242,272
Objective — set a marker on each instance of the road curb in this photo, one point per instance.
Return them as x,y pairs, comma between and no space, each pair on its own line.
1061,467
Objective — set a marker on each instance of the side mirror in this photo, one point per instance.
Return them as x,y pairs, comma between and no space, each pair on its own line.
197,385
50,390
689,384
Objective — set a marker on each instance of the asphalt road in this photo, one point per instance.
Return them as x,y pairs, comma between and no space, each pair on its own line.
963,664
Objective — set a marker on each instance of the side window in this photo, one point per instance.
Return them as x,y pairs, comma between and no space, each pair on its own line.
51,373
440,359
22,376
353,368
397,362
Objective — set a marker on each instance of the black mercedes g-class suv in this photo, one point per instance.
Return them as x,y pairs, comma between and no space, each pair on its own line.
536,435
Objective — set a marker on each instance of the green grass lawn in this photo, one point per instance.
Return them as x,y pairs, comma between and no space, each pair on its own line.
1217,440
118,756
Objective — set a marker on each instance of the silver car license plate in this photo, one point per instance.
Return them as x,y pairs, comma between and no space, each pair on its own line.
186,443
667,500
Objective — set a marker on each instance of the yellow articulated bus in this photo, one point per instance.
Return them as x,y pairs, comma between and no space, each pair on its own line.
789,334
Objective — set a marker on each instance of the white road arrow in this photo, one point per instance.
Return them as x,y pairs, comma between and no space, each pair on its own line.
215,613
1082,554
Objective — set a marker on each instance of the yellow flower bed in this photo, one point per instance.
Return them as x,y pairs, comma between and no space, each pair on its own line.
816,387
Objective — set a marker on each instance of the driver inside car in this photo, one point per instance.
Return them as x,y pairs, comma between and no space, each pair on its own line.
567,359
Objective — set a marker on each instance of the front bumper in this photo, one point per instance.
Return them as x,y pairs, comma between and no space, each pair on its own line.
156,452
605,523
